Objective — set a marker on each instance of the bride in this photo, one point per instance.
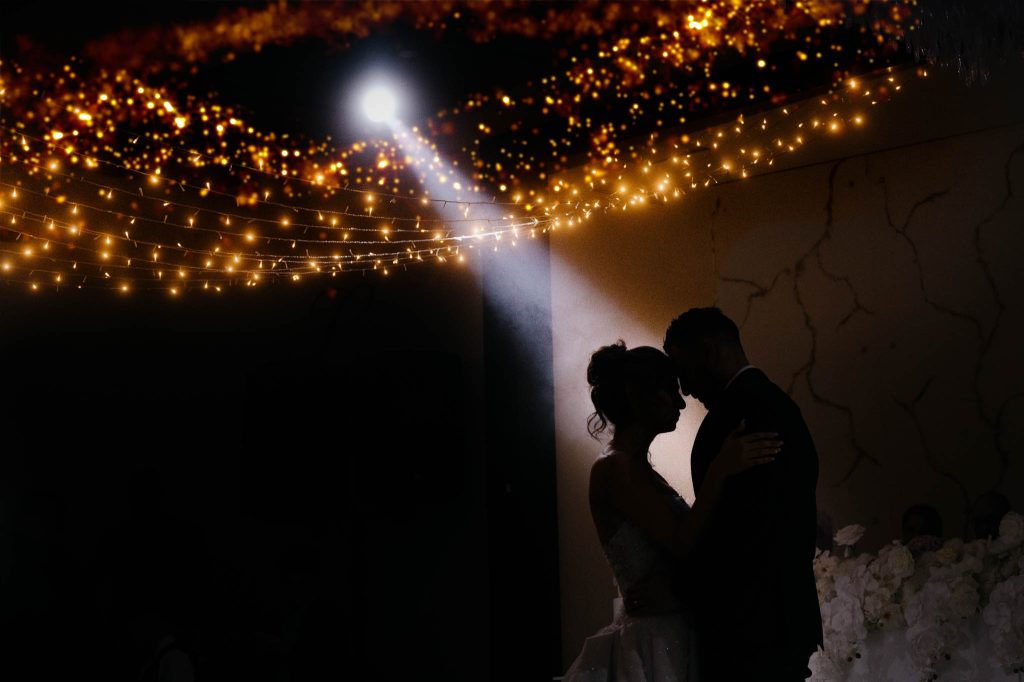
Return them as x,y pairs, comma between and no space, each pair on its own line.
646,529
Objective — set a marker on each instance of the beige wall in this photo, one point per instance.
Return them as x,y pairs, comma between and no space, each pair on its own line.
875,277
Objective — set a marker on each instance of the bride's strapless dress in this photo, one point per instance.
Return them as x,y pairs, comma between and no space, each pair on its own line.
654,645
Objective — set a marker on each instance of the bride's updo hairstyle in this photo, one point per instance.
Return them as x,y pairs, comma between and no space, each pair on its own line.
613,368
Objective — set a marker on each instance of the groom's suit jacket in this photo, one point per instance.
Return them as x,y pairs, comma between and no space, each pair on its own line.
757,614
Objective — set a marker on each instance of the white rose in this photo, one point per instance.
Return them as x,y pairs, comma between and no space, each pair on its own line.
823,668
852,583
1011,528
927,605
895,563
1005,617
848,536
1011,534
988,579
999,612
892,614
845,620
855,566
964,598
825,562
877,603
946,555
977,548
974,554
926,643
1009,568
968,566
826,589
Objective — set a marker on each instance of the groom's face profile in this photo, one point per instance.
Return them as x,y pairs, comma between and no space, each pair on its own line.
691,370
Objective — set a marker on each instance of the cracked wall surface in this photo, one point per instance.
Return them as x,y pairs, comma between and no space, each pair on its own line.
895,322
882,289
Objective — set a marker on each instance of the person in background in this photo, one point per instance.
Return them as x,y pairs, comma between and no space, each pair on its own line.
988,511
922,529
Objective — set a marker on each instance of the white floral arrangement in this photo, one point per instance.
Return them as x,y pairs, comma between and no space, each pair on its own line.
930,598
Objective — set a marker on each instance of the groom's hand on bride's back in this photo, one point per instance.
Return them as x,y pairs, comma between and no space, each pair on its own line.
742,451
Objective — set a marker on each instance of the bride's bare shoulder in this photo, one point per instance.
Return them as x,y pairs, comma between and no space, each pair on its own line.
603,474
604,463
610,464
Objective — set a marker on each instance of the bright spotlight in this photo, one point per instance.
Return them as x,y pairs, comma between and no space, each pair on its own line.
379,104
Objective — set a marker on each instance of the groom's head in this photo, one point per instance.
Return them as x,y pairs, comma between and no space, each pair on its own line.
705,347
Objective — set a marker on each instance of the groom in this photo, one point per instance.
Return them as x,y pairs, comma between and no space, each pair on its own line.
755,604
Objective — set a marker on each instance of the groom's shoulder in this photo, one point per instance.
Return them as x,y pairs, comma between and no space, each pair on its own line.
760,383
765,392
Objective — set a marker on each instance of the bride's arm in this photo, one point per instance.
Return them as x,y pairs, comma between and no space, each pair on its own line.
636,495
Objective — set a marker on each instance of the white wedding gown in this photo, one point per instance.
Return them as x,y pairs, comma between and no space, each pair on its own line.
653,647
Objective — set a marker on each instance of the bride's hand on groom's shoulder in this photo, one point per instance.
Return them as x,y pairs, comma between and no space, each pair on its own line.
741,451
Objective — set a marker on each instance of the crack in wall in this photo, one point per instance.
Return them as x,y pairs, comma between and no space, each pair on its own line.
901,230
911,409
807,369
760,291
829,222
862,453
1003,452
858,307
993,416
993,422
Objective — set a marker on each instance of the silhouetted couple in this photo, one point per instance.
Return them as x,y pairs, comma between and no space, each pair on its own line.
723,590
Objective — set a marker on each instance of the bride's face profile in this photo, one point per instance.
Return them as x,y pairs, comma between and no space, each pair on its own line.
658,406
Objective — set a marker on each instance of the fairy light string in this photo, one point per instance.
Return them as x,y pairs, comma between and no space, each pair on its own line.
206,182
108,191
618,197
